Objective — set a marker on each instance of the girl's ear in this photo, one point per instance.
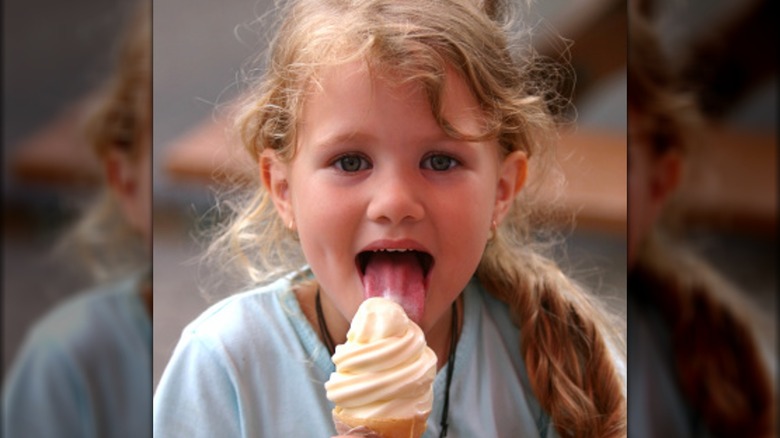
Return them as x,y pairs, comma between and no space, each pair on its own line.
666,176
511,178
123,177
275,177
120,175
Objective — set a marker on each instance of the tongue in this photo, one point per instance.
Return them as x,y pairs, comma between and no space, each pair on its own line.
399,277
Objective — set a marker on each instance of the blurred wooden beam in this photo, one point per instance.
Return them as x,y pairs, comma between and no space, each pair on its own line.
58,154
594,163
598,32
733,183
208,153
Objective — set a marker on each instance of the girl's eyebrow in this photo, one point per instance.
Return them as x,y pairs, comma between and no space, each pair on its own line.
355,138
343,138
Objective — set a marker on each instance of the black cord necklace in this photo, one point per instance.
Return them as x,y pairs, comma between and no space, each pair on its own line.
329,344
323,326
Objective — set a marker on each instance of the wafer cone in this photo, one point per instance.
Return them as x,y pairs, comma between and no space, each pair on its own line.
412,427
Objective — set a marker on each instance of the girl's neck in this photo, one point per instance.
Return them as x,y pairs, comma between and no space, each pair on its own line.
338,326
437,338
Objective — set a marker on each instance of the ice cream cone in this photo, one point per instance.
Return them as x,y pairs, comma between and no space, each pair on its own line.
383,382
412,427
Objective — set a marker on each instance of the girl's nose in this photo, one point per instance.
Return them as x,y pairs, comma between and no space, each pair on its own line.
396,199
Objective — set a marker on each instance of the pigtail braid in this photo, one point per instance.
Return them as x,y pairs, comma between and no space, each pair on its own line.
719,367
717,354
563,340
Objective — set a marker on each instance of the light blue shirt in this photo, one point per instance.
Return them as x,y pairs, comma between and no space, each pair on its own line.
252,366
84,370
657,406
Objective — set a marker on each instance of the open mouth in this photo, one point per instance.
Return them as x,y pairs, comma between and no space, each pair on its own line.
399,274
394,272
423,259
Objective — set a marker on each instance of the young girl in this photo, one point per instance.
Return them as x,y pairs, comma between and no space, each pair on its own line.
85,368
392,140
698,366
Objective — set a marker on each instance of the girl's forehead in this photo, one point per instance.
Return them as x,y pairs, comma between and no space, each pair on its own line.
352,93
350,105
405,84
365,82
360,70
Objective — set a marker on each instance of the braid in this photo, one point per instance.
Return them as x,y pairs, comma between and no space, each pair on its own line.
719,368
717,359
562,335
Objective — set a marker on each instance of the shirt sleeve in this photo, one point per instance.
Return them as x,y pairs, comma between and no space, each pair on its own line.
46,395
197,394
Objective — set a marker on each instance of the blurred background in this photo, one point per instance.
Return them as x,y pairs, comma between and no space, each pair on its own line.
55,57
55,54
728,207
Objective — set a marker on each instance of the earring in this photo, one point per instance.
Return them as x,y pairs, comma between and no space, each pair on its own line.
492,231
291,228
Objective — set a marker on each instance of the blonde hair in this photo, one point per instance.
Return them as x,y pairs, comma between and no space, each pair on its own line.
568,344
123,110
119,116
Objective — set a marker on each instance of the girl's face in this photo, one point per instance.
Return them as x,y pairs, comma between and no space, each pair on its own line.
130,179
652,179
374,174
640,163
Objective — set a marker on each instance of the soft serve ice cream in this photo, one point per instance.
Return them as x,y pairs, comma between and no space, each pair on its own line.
384,373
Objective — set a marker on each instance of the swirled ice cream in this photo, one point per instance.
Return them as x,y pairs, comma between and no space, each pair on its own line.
384,371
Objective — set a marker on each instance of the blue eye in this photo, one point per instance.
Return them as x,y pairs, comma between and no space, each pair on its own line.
351,163
439,162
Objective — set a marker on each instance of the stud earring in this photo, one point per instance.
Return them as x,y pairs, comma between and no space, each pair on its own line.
492,231
293,231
